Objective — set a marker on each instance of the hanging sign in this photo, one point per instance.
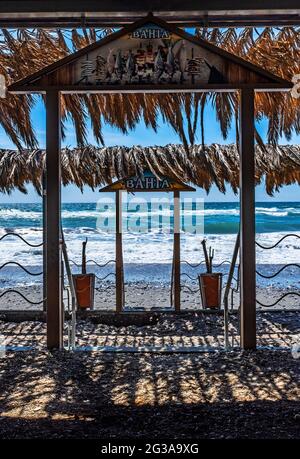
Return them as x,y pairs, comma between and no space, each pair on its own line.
151,32
150,55
148,182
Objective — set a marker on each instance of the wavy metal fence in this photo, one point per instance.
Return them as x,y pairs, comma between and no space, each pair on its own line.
9,291
230,288
68,286
233,288
99,279
283,268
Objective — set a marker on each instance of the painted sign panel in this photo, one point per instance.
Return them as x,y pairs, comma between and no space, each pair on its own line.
148,182
149,55
152,56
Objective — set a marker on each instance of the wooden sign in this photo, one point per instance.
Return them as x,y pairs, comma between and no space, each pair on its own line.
150,56
148,182
151,32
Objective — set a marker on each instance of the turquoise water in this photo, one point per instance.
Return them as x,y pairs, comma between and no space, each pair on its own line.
219,218
148,254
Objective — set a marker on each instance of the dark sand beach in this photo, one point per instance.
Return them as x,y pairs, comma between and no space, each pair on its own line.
90,395
144,395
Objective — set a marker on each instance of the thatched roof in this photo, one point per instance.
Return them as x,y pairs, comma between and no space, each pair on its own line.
276,50
201,166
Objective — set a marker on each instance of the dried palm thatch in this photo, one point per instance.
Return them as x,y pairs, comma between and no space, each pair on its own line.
277,50
202,166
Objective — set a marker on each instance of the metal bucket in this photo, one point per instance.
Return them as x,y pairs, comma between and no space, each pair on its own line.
84,285
211,290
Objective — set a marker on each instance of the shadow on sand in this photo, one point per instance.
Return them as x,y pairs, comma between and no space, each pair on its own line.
91,395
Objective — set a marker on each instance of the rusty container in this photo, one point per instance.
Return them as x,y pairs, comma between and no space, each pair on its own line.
84,285
211,290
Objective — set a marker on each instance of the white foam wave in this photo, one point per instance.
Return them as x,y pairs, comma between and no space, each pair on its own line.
15,213
8,214
154,247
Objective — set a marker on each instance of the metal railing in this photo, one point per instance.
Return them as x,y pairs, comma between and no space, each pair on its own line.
227,287
272,276
71,298
19,265
69,287
231,290
100,279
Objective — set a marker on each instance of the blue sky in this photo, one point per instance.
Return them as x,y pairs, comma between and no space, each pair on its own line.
143,136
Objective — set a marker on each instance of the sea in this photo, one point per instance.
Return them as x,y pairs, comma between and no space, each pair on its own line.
148,238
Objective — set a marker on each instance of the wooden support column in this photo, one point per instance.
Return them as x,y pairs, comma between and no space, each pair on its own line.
119,253
53,222
44,244
177,251
247,220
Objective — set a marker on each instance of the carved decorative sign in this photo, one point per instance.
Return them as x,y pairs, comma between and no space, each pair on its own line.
152,56
149,55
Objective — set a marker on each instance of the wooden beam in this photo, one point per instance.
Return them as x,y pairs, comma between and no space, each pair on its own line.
75,13
176,258
120,8
53,221
247,220
15,88
119,253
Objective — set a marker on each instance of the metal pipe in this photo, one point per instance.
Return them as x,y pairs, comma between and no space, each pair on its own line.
72,335
227,289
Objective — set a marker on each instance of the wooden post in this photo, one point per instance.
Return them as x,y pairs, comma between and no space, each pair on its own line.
119,253
177,251
44,243
53,222
247,220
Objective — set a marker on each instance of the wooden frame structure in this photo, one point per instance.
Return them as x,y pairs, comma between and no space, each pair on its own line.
113,13
163,184
239,75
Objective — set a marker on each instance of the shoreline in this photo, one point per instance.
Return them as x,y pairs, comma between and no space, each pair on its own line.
140,296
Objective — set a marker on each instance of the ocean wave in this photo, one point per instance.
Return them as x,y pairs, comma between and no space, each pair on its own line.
220,226
155,246
67,214
8,214
36,215
274,214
